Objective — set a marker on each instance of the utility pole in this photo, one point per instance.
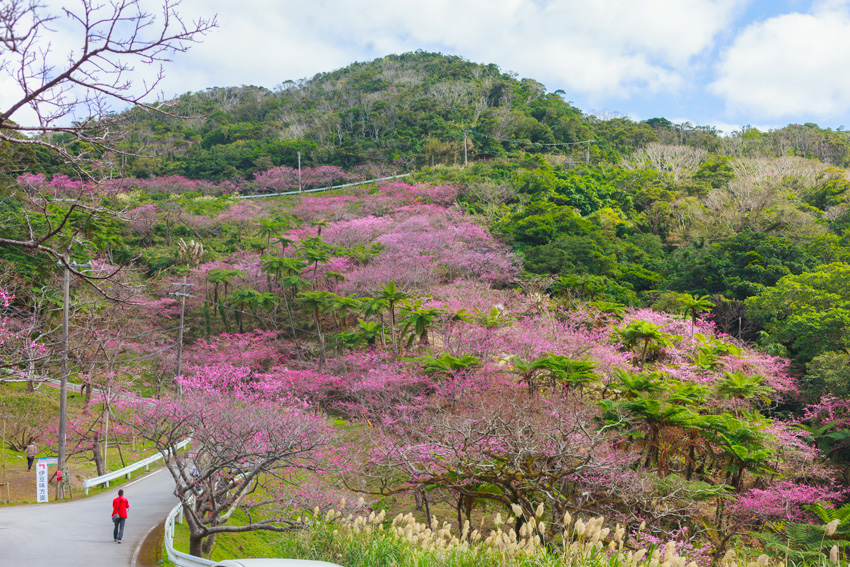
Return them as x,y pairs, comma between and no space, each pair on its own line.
106,429
587,155
63,387
465,162
299,173
3,480
182,295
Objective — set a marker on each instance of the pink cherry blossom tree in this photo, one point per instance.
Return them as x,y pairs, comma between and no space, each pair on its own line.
519,451
241,443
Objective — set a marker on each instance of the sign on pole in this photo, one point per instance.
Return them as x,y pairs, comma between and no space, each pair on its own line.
41,481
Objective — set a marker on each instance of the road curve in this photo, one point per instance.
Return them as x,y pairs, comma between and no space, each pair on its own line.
78,533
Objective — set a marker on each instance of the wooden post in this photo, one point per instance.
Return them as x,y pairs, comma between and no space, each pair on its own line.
183,295
3,480
106,432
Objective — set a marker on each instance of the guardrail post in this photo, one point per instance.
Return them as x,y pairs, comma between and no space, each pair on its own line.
178,557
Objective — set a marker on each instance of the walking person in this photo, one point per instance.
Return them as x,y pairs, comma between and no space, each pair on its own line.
32,451
119,515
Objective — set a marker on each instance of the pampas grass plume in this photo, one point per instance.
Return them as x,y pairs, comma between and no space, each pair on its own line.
830,528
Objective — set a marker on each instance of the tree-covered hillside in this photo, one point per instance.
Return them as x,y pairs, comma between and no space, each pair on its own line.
640,214
412,109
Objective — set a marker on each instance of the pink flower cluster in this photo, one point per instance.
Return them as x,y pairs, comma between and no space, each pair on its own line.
422,250
61,185
785,500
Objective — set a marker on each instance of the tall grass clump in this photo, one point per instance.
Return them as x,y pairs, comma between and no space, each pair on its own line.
373,541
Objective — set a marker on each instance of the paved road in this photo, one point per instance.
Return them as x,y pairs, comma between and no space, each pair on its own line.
79,533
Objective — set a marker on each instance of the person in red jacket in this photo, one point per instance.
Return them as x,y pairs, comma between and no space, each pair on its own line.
119,515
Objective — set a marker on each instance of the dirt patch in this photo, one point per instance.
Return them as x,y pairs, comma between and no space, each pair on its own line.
22,482
150,551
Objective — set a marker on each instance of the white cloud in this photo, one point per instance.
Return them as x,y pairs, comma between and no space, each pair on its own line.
728,128
724,128
604,53
600,48
793,64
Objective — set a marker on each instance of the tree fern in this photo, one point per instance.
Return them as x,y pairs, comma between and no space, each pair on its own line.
807,542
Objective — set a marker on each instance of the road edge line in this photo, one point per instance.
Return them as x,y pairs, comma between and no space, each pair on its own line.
139,547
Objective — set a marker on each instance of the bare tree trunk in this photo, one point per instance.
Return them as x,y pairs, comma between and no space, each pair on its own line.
207,545
98,457
196,545
30,376
392,329
427,508
88,392
223,312
321,339
120,454
289,312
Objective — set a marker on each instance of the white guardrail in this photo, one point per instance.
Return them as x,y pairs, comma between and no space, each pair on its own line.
178,557
89,482
318,189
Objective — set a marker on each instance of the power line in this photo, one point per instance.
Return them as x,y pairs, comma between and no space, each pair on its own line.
318,189
116,362
51,358
235,310
94,341
588,142
530,143
143,357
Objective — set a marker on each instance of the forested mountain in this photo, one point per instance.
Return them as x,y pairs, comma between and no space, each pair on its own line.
413,108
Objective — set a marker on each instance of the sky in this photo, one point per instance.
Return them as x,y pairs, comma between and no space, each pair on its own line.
724,63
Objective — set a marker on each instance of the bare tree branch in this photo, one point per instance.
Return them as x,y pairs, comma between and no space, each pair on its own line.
75,97
64,102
